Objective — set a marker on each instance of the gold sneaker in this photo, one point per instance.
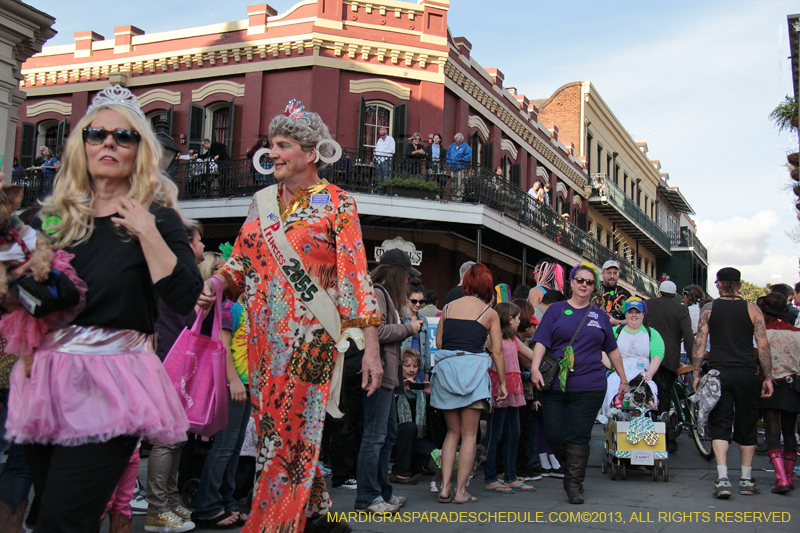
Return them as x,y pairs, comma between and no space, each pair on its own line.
182,512
168,521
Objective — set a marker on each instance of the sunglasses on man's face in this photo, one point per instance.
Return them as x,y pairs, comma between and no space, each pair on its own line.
416,302
96,136
582,281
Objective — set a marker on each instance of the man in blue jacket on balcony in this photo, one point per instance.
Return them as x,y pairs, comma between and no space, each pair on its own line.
459,157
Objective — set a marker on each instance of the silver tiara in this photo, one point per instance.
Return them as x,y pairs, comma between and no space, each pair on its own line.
117,95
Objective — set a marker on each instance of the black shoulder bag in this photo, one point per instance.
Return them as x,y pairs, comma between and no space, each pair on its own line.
549,365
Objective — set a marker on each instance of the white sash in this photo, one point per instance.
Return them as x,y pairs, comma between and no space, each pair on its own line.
307,288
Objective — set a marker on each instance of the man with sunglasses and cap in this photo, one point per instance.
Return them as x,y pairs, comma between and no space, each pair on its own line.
671,320
612,297
732,323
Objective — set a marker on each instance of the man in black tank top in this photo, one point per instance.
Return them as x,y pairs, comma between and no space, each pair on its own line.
732,326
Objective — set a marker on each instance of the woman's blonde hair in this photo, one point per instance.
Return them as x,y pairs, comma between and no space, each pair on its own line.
209,264
73,191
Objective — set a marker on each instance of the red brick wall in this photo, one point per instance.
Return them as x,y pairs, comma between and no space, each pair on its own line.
564,110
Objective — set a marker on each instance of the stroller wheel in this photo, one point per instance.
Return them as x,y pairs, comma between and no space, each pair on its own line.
614,467
623,471
656,469
188,492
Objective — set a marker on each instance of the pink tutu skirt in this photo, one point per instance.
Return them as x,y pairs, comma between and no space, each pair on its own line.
92,384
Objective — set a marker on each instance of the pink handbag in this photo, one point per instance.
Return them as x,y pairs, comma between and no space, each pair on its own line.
197,368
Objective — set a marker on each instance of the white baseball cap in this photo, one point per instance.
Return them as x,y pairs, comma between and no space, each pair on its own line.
668,287
610,264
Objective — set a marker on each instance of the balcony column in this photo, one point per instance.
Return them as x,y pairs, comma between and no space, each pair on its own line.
478,245
524,265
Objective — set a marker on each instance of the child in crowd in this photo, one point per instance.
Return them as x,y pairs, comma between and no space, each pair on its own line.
505,416
412,450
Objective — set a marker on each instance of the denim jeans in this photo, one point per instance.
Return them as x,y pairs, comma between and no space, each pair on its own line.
384,169
498,420
380,434
3,418
569,416
215,493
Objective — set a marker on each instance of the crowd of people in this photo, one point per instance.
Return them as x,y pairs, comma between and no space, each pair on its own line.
331,368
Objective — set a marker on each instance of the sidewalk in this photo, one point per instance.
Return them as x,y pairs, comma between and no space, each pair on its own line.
637,505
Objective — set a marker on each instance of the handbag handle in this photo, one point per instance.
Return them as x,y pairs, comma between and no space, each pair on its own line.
198,322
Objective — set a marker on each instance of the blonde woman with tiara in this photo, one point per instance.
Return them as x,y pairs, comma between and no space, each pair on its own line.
96,386
549,276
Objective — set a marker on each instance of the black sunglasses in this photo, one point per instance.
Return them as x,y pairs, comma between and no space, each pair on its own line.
582,281
416,302
95,136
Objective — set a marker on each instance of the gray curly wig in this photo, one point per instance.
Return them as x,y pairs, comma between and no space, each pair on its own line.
307,130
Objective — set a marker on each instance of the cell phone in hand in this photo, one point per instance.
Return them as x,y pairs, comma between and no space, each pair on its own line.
416,386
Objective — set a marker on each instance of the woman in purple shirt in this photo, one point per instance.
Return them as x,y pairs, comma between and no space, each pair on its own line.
572,403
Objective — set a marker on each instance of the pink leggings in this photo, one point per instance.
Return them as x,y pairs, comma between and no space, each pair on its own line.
120,501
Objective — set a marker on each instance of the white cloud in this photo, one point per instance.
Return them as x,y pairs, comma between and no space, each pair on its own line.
747,244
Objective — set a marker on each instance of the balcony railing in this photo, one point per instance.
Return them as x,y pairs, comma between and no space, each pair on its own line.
362,172
611,191
690,240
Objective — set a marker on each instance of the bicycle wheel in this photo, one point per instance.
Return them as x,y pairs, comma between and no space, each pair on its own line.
703,441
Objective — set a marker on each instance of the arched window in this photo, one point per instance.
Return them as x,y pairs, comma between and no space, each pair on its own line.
377,115
213,122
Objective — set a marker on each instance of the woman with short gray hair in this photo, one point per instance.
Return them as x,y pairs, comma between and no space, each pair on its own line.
299,262
415,154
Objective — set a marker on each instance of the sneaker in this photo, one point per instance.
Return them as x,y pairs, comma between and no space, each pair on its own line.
182,512
399,501
167,522
748,487
138,504
535,474
557,472
351,484
722,488
380,507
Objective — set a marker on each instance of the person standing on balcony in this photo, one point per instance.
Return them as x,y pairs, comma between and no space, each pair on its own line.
435,153
384,151
215,151
459,156
546,195
415,153
612,297
671,320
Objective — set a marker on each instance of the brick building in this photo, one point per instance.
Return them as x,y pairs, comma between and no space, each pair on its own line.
362,66
632,208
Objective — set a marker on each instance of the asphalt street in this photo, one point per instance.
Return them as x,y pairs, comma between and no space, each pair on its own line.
638,504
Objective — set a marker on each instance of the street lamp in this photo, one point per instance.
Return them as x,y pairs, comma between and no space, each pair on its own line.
169,149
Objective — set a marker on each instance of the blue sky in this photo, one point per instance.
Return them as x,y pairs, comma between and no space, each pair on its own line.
696,80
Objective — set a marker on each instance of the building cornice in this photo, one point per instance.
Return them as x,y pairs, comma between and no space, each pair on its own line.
460,82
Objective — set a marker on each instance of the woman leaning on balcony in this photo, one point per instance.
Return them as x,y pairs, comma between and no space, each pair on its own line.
415,155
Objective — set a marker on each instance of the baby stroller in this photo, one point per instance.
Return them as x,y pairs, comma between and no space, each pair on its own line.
634,437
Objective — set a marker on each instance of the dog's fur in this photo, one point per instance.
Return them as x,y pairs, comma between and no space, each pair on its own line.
41,255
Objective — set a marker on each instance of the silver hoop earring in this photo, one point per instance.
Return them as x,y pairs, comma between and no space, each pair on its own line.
337,151
257,162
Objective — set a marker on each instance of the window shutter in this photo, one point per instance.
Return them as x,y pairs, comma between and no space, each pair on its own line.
515,174
62,133
197,122
27,152
361,133
399,128
487,157
231,112
169,119
582,222
476,142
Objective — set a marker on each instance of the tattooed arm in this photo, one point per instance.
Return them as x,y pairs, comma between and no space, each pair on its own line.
764,352
700,341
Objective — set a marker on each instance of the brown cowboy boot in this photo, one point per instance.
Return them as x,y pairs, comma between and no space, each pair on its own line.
119,523
10,519
577,459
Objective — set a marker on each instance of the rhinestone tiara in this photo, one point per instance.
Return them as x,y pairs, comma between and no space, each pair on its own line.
117,95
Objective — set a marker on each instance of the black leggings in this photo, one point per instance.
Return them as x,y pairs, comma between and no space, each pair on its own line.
76,482
777,422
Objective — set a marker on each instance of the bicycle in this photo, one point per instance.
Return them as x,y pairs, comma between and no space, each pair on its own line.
685,414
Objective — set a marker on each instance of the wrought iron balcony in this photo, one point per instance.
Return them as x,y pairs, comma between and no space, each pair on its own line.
689,240
362,172
610,200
